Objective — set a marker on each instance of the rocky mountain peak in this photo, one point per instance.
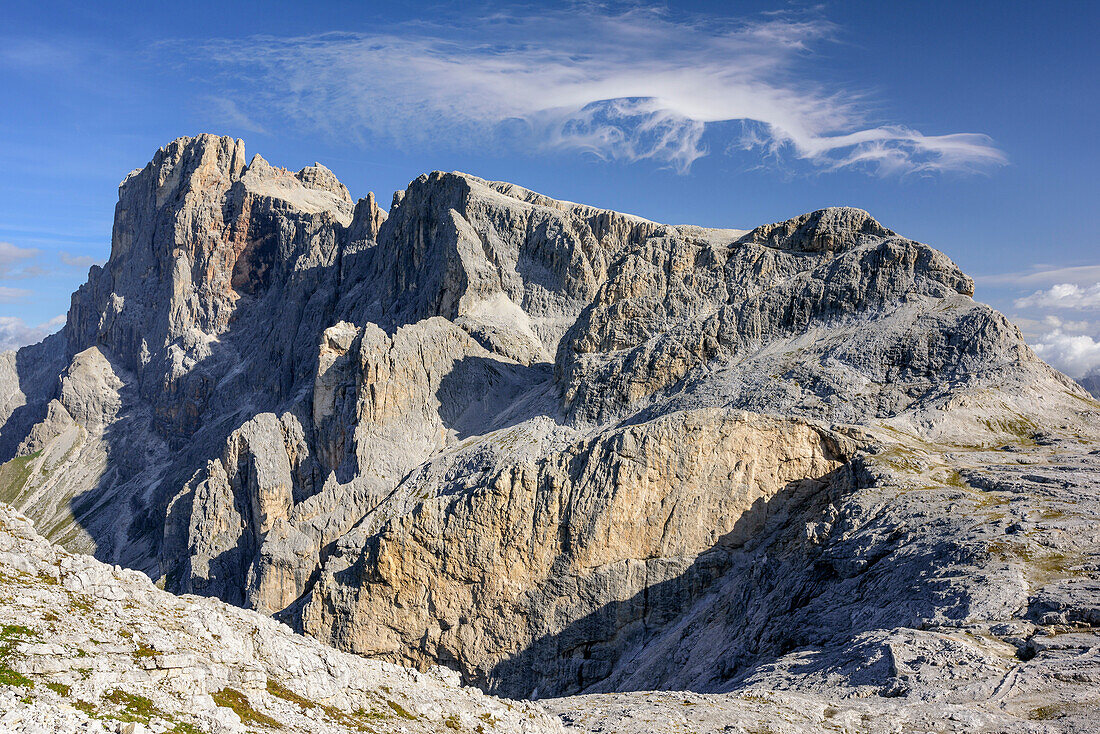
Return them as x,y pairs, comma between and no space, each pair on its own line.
528,439
834,229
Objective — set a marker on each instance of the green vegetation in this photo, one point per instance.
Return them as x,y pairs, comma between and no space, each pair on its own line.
356,720
184,728
1044,713
277,689
397,708
80,604
137,709
144,651
48,579
87,708
17,631
60,689
236,702
451,722
1040,564
9,635
134,708
1019,427
14,475
9,677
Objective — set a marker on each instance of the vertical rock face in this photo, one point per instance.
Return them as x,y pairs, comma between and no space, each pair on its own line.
489,428
617,522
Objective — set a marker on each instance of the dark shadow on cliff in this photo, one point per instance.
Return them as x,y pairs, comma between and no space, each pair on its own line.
736,605
481,394
264,362
37,368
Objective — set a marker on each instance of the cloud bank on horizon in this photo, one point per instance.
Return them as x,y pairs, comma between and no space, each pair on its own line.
632,85
1061,322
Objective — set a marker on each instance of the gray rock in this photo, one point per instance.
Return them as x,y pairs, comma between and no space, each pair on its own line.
565,450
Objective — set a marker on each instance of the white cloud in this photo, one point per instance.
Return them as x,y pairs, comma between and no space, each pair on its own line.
1070,346
15,333
1075,354
639,84
1033,329
1063,296
12,257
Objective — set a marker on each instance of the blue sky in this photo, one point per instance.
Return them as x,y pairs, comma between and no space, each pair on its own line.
970,126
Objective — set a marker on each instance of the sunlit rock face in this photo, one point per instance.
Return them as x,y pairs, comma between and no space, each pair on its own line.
556,448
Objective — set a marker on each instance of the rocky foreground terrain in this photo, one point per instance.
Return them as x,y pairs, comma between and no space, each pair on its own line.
656,477
97,648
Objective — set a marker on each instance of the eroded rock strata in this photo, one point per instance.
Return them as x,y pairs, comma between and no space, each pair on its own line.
558,449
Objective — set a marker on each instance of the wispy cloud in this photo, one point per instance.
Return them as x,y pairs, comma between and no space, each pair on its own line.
229,112
13,259
14,295
22,263
77,261
1040,275
627,85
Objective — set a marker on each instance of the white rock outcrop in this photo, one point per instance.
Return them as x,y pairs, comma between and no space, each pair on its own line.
86,647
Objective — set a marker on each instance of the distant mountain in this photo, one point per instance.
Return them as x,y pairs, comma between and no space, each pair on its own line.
1091,382
559,449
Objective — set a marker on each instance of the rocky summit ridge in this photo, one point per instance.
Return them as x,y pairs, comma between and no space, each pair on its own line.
568,452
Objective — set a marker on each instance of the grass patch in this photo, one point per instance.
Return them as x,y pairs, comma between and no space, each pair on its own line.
362,713
236,702
184,728
80,604
17,632
277,689
144,651
60,689
452,722
9,635
1042,564
14,475
134,708
356,720
9,677
1020,428
86,707
399,710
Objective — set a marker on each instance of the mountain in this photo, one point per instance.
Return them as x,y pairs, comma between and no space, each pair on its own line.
1091,383
564,450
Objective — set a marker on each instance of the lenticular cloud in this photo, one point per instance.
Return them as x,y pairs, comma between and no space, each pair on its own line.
620,86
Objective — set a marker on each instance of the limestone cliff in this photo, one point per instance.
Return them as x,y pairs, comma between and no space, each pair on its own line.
528,439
